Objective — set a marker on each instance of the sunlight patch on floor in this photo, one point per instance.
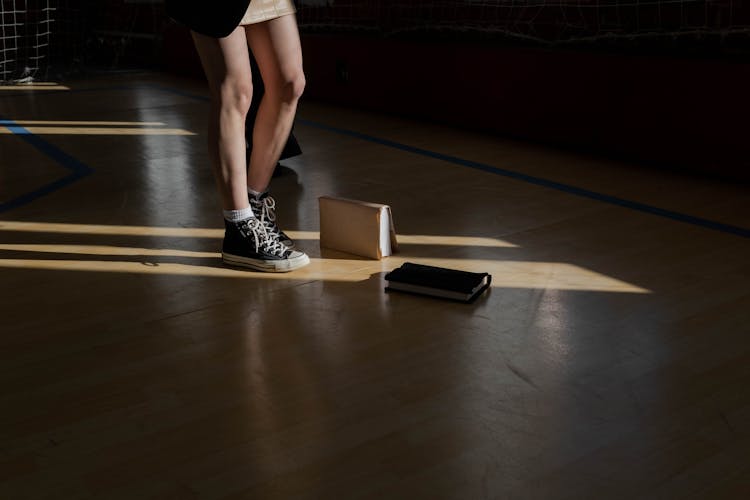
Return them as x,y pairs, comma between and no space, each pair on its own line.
505,273
53,227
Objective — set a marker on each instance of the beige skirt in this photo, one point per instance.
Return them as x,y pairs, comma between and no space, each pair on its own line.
264,10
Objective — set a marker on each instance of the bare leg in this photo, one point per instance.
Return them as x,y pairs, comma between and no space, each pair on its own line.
276,47
227,66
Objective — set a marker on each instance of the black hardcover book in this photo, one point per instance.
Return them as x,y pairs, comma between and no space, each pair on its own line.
438,282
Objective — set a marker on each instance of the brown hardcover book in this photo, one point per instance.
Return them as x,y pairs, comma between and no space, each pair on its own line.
357,227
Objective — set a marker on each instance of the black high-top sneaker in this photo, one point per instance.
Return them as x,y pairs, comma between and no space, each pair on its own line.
264,208
249,244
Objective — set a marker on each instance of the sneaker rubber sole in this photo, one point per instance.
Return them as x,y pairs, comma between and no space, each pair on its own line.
268,266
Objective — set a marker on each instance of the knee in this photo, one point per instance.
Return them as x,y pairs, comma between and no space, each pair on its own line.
297,86
235,96
291,87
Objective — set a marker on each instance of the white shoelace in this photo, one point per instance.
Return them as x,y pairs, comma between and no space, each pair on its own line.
268,215
263,241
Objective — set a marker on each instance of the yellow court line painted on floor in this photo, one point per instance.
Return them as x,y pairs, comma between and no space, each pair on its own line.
101,131
88,123
34,86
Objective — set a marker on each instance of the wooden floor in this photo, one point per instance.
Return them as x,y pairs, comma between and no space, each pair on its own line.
610,360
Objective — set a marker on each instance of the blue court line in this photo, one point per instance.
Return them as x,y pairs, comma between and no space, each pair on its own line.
538,181
78,170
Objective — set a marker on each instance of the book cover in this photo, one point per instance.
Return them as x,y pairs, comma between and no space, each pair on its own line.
438,282
357,227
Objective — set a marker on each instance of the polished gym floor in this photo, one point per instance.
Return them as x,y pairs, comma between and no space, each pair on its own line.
609,360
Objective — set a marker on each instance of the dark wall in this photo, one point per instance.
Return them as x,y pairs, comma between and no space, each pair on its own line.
664,111
673,112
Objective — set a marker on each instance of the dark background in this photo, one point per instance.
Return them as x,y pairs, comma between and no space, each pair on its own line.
665,84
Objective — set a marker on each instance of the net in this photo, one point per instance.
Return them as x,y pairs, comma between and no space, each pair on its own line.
24,33
38,38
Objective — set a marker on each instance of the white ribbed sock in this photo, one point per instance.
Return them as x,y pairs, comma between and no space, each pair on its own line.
239,215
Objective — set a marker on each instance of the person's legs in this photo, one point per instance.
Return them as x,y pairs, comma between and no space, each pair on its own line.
291,148
226,64
247,241
276,47
258,91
